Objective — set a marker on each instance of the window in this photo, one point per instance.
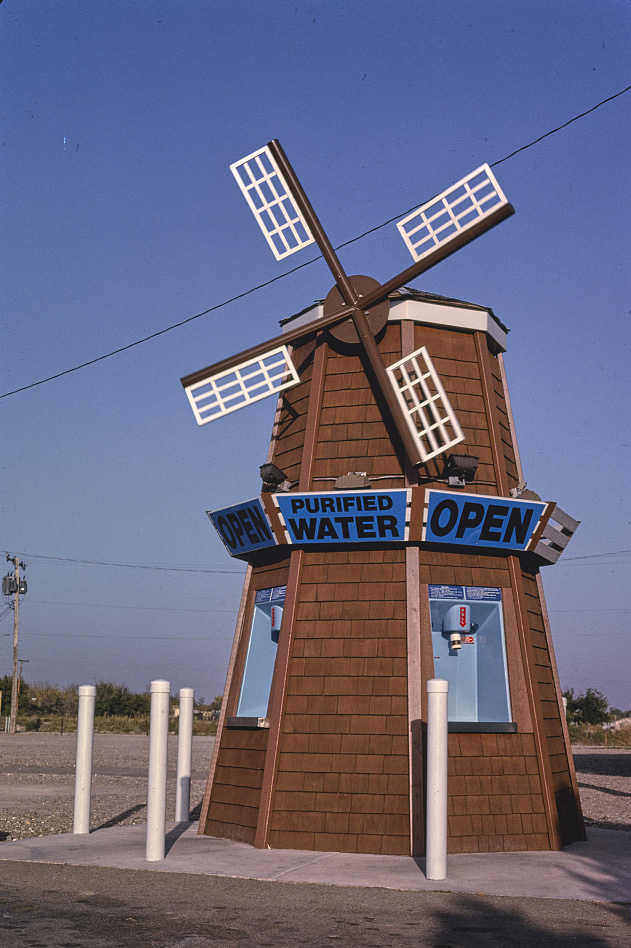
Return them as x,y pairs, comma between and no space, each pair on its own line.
261,656
477,671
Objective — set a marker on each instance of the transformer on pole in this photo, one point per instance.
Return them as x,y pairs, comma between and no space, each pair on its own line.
13,586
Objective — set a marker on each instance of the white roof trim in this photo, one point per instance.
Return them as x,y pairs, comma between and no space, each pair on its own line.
449,315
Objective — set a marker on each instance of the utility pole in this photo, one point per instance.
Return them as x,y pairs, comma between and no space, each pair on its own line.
22,661
14,684
13,584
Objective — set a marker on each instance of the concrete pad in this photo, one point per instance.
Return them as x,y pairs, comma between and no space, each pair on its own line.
596,870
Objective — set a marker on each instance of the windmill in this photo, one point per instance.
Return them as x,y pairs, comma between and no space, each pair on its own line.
320,743
356,309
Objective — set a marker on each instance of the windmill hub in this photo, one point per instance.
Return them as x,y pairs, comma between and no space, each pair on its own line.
377,315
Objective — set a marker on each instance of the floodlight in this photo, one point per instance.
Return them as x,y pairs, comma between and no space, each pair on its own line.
272,477
460,469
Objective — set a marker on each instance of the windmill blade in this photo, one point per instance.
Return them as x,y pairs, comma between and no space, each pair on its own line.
221,393
448,236
272,203
449,215
414,396
424,404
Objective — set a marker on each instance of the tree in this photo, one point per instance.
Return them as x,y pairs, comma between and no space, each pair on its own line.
48,699
590,707
70,701
114,699
24,697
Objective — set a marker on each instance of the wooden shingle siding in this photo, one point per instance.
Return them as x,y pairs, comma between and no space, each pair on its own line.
495,801
343,756
351,432
570,822
342,780
289,431
236,790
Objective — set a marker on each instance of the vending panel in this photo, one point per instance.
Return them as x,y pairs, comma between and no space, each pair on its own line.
470,652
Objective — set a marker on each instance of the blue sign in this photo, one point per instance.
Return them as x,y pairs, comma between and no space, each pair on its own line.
243,528
446,592
501,523
370,516
483,593
275,594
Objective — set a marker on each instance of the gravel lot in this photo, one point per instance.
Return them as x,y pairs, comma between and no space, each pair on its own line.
37,782
604,781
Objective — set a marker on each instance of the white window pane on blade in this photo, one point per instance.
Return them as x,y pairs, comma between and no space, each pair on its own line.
272,203
220,394
425,405
453,212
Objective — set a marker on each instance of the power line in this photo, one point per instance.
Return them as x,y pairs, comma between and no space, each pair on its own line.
287,273
107,605
147,566
595,556
213,611
235,571
241,572
558,129
581,611
109,635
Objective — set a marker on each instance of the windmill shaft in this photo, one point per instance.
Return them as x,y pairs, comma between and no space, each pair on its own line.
302,333
315,226
299,334
351,298
385,386
438,254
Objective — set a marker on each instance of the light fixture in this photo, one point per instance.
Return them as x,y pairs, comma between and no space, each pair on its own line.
354,480
460,469
273,478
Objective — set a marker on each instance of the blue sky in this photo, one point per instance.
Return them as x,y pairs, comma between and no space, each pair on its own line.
120,218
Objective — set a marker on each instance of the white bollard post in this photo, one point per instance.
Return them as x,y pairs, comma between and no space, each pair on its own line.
83,766
184,756
157,783
436,835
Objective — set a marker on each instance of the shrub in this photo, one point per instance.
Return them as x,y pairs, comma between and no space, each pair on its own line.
593,735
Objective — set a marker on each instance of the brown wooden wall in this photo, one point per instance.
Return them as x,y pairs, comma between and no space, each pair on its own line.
236,790
569,815
352,435
288,437
336,772
495,799
234,800
342,780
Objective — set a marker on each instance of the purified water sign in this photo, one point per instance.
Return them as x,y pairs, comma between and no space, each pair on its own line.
345,516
